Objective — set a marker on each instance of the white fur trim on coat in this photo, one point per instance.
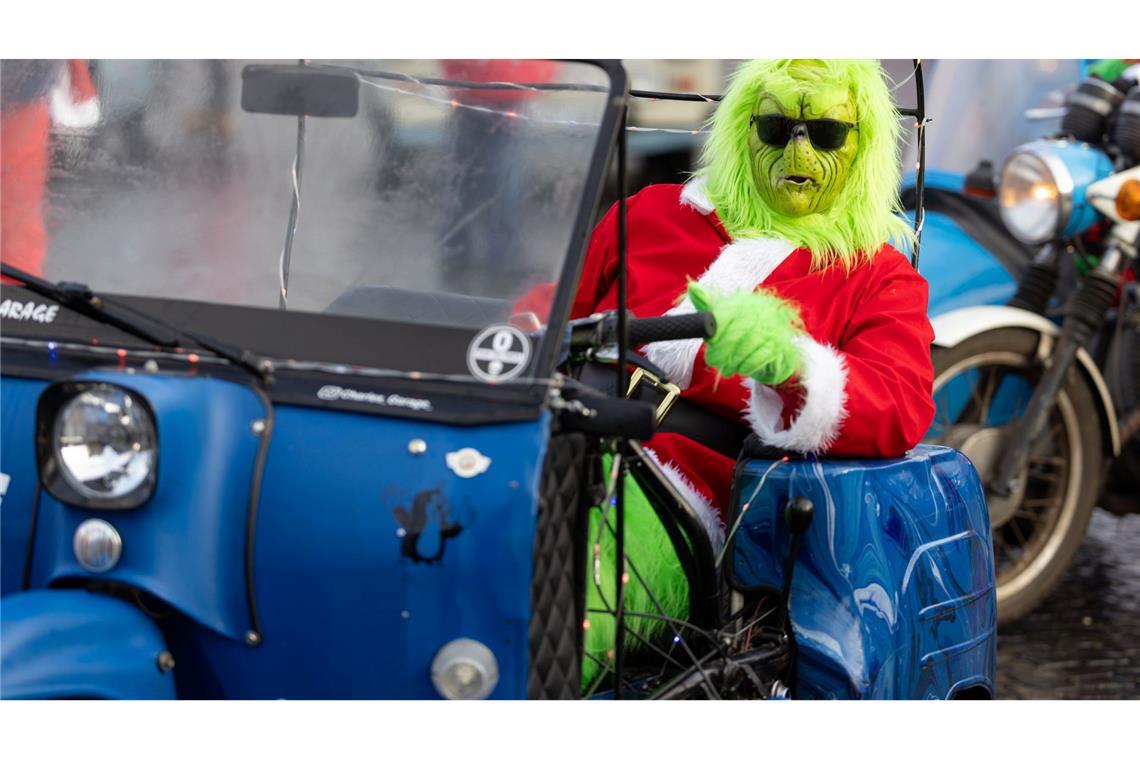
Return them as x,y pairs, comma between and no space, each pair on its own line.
694,195
708,515
742,265
824,379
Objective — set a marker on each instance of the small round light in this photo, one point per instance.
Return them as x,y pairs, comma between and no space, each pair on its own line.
97,545
1128,200
464,669
1030,199
106,443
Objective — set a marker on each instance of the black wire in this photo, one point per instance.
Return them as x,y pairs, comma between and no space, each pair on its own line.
690,97
920,178
251,512
623,444
31,550
683,624
681,677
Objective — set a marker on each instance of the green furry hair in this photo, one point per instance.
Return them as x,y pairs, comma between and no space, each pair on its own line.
864,215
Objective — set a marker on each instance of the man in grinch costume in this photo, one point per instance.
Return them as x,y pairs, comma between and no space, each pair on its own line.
823,343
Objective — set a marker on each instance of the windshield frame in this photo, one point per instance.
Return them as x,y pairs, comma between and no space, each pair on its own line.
608,135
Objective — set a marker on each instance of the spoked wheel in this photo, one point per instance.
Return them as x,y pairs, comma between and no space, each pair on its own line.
669,654
981,387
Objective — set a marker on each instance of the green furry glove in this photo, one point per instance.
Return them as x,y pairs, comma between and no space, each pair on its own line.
754,333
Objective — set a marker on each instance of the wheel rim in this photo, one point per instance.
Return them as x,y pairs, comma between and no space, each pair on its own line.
991,389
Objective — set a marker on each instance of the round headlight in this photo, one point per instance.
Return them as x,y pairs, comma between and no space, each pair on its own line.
105,443
1035,195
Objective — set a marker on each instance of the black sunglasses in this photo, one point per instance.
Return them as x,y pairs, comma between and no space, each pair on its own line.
825,134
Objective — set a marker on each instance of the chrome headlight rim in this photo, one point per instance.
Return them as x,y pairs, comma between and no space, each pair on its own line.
1044,151
54,476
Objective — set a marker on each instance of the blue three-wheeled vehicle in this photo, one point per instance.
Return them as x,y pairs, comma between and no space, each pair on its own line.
271,430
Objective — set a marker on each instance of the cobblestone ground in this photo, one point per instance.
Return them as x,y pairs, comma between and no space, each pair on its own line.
1084,641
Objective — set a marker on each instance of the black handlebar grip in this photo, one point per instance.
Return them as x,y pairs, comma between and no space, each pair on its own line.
680,327
613,416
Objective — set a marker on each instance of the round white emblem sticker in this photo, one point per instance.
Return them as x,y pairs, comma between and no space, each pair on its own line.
498,353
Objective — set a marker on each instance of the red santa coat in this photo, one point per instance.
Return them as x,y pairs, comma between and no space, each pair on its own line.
865,387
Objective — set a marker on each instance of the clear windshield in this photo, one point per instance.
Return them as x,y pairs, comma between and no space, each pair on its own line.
148,178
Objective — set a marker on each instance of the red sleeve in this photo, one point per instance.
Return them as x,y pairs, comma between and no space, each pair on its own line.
870,396
598,274
890,376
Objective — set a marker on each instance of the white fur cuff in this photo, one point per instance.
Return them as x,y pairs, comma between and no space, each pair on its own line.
824,379
694,195
707,513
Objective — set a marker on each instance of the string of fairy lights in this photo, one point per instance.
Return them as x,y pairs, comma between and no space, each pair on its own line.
721,641
454,103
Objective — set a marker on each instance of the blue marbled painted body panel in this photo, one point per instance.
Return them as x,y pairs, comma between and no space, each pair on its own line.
893,592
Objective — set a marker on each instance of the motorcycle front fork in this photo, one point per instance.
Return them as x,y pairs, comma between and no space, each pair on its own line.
1084,315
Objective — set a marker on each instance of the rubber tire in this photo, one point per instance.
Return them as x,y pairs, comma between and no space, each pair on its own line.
558,594
1076,390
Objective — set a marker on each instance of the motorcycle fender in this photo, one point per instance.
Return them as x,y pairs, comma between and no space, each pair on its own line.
953,327
74,644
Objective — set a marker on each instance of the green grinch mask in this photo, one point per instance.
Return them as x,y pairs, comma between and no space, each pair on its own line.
797,170
773,169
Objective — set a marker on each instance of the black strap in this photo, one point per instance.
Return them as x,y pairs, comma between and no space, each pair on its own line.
684,418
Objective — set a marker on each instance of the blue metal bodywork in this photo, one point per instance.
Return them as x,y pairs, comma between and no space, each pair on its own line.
345,613
73,644
186,544
18,397
893,589
367,557
960,270
1086,165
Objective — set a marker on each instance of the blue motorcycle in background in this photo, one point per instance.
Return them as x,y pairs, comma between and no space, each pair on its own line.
267,433
1034,305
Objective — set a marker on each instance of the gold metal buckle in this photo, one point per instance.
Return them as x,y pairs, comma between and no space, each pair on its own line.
671,391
